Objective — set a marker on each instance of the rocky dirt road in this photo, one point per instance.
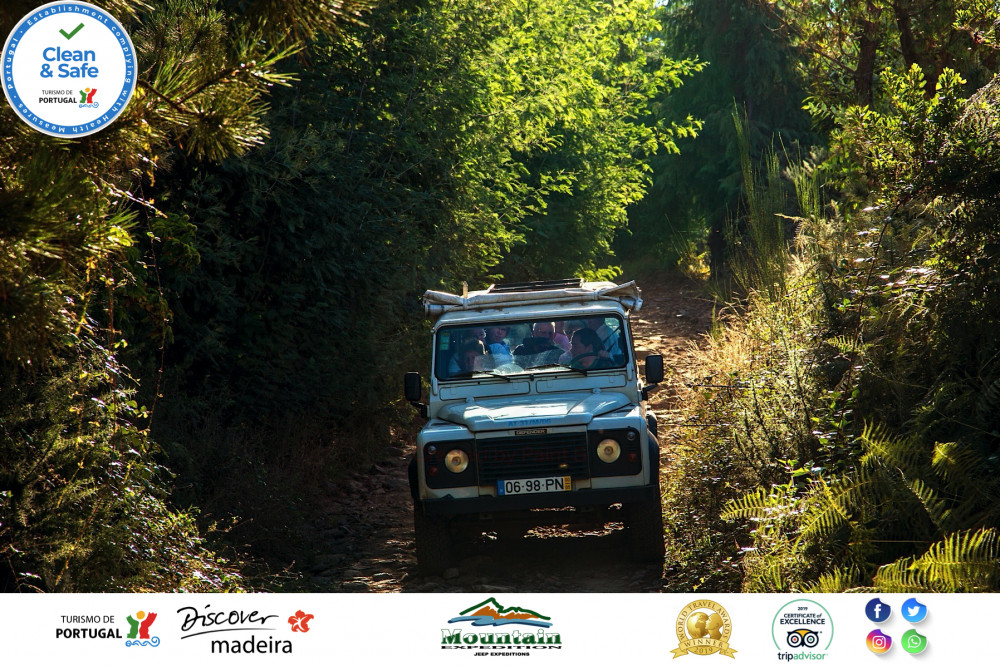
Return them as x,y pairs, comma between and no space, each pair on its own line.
365,533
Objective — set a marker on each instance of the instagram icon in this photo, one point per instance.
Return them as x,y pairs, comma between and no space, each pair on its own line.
878,642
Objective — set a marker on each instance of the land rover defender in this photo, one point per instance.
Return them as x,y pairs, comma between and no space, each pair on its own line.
536,416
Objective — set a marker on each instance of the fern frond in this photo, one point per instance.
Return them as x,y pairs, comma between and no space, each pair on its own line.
956,463
961,562
840,580
937,509
988,403
903,453
825,510
760,505
847,345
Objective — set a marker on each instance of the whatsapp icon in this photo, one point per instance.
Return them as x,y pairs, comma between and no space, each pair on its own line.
913,642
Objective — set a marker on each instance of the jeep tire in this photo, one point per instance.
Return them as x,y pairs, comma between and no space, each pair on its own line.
644,526
435,546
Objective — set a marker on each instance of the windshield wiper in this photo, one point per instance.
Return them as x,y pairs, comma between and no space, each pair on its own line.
502,375
473,374
551,365
560,365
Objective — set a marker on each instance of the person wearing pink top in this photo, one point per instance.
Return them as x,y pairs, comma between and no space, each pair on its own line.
560,339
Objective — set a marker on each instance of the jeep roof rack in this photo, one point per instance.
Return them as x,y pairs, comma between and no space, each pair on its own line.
571,290
538,285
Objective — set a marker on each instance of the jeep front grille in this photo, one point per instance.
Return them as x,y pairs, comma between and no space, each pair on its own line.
532,457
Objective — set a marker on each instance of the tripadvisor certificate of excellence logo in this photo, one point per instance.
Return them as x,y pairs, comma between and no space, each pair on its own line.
69,69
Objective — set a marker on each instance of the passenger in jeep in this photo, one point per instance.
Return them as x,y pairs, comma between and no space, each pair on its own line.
497,345
468,358
539,348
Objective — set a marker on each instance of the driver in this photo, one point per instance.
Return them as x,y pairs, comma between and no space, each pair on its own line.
586,347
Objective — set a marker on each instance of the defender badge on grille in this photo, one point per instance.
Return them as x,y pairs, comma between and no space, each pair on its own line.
532,431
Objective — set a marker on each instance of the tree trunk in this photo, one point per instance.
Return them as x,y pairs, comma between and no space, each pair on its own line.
867,50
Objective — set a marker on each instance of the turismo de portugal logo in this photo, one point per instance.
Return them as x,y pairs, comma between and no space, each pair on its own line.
69,69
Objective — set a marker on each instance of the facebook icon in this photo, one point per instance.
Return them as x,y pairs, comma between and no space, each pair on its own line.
878,611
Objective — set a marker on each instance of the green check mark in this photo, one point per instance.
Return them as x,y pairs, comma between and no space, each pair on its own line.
69,35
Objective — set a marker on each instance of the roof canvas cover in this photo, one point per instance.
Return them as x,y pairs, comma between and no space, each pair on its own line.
437,303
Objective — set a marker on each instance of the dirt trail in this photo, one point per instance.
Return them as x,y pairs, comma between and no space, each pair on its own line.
365,534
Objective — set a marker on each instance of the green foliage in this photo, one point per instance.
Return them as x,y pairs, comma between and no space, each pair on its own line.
962,562
758,242
435,144
744,62
901,493
84,497
83,503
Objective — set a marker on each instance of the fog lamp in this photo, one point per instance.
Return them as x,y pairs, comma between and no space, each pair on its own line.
608,450
456,461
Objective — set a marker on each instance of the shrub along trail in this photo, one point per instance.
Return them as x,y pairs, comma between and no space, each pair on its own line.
364,532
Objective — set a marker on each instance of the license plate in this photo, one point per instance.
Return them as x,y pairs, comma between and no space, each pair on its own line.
553,484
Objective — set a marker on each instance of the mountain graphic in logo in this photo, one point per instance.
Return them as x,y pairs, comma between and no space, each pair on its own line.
490,613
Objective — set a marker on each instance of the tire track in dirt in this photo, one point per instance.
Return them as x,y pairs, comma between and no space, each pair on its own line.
364,536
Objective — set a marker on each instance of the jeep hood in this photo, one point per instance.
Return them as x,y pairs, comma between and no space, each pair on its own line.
532,411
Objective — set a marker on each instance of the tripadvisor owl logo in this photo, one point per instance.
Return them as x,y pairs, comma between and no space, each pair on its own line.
703,627
802,629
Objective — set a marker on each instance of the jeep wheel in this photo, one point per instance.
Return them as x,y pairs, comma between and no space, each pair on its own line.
435,549
645,530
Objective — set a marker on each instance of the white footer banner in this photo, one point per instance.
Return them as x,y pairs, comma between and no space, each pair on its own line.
468,628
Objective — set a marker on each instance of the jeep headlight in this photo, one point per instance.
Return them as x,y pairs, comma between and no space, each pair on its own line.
609,450
456,461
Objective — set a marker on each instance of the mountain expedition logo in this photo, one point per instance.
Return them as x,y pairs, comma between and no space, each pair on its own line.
216,624
57,58
505,642
139,630
802,630
703,627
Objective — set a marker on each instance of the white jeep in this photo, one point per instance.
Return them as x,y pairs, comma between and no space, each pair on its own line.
536,406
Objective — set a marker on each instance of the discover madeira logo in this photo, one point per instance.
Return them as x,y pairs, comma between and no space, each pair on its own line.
69,69
242,631
502,640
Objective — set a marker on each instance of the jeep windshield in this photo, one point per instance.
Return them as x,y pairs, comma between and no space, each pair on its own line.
510,348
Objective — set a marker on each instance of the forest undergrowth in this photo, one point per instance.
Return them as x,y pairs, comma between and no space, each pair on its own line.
851,427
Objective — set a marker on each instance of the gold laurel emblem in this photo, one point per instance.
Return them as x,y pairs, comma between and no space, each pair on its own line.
703,627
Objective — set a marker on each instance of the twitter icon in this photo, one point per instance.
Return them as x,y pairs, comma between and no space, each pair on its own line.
913,610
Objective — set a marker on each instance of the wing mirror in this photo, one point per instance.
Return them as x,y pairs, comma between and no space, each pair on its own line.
412,389
654,369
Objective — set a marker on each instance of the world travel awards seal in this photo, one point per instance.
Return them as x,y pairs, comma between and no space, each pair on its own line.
703,627
69,69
